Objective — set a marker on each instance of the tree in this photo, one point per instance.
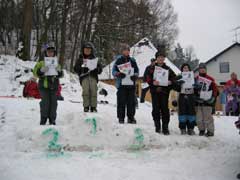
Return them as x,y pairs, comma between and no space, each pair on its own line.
27,28
180,55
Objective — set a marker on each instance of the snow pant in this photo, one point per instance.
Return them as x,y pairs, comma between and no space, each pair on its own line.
126,98
143,94
89,92
186,111
160,110
48,106
205,119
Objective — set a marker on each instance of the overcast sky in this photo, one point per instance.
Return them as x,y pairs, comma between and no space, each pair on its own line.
207,24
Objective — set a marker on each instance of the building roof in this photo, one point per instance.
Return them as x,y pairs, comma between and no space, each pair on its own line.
222,52
143,52
219,54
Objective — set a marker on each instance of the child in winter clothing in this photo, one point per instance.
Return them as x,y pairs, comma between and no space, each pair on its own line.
206,92
88,78
186,105
48,87
126,95
160,94
233,93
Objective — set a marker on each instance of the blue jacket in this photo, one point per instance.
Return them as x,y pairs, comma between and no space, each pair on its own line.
122,60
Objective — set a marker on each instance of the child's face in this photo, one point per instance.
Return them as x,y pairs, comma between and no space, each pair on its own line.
186,69
50,53
160,59
202,71
87,51
126,52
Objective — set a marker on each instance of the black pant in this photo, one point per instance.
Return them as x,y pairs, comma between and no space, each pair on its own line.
126,97
160,110
187,125
48,106
143,94
186,111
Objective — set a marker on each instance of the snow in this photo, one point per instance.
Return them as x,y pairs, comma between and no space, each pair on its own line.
143,54
106,155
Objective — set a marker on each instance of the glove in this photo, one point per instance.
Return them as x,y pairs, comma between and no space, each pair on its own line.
197,86
174,103
178,77
211,101
180,82
44,69
85,69
121,75
133,78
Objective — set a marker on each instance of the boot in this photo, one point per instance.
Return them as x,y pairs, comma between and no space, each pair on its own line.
93,109
202,133
132,121
209,134
191,132
52,122
157,126
121,121
165,129
166,132
43,121
183,131
158,130
86,109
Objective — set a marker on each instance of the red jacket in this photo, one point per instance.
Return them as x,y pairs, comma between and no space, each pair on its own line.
229,83
31,90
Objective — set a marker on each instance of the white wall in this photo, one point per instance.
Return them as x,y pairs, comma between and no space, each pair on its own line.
233,57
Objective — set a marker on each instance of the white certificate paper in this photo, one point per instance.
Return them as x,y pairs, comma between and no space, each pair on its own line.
205,94
125,68
92,63
161,75
51,63
127,80
188,78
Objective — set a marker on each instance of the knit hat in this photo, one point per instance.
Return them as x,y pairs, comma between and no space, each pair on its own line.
202,66
160,53
124,47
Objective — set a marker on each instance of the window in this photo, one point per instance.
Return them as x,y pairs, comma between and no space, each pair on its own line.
224,67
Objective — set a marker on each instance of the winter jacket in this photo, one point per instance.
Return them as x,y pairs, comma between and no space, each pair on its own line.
229,83
122,60
232,96
46,82
83,72
163,89
31,90
146,72
212,87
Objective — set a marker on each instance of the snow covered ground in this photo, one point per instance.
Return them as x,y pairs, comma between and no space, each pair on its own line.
107,154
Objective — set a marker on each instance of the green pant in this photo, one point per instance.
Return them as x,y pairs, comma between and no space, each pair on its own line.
89,92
